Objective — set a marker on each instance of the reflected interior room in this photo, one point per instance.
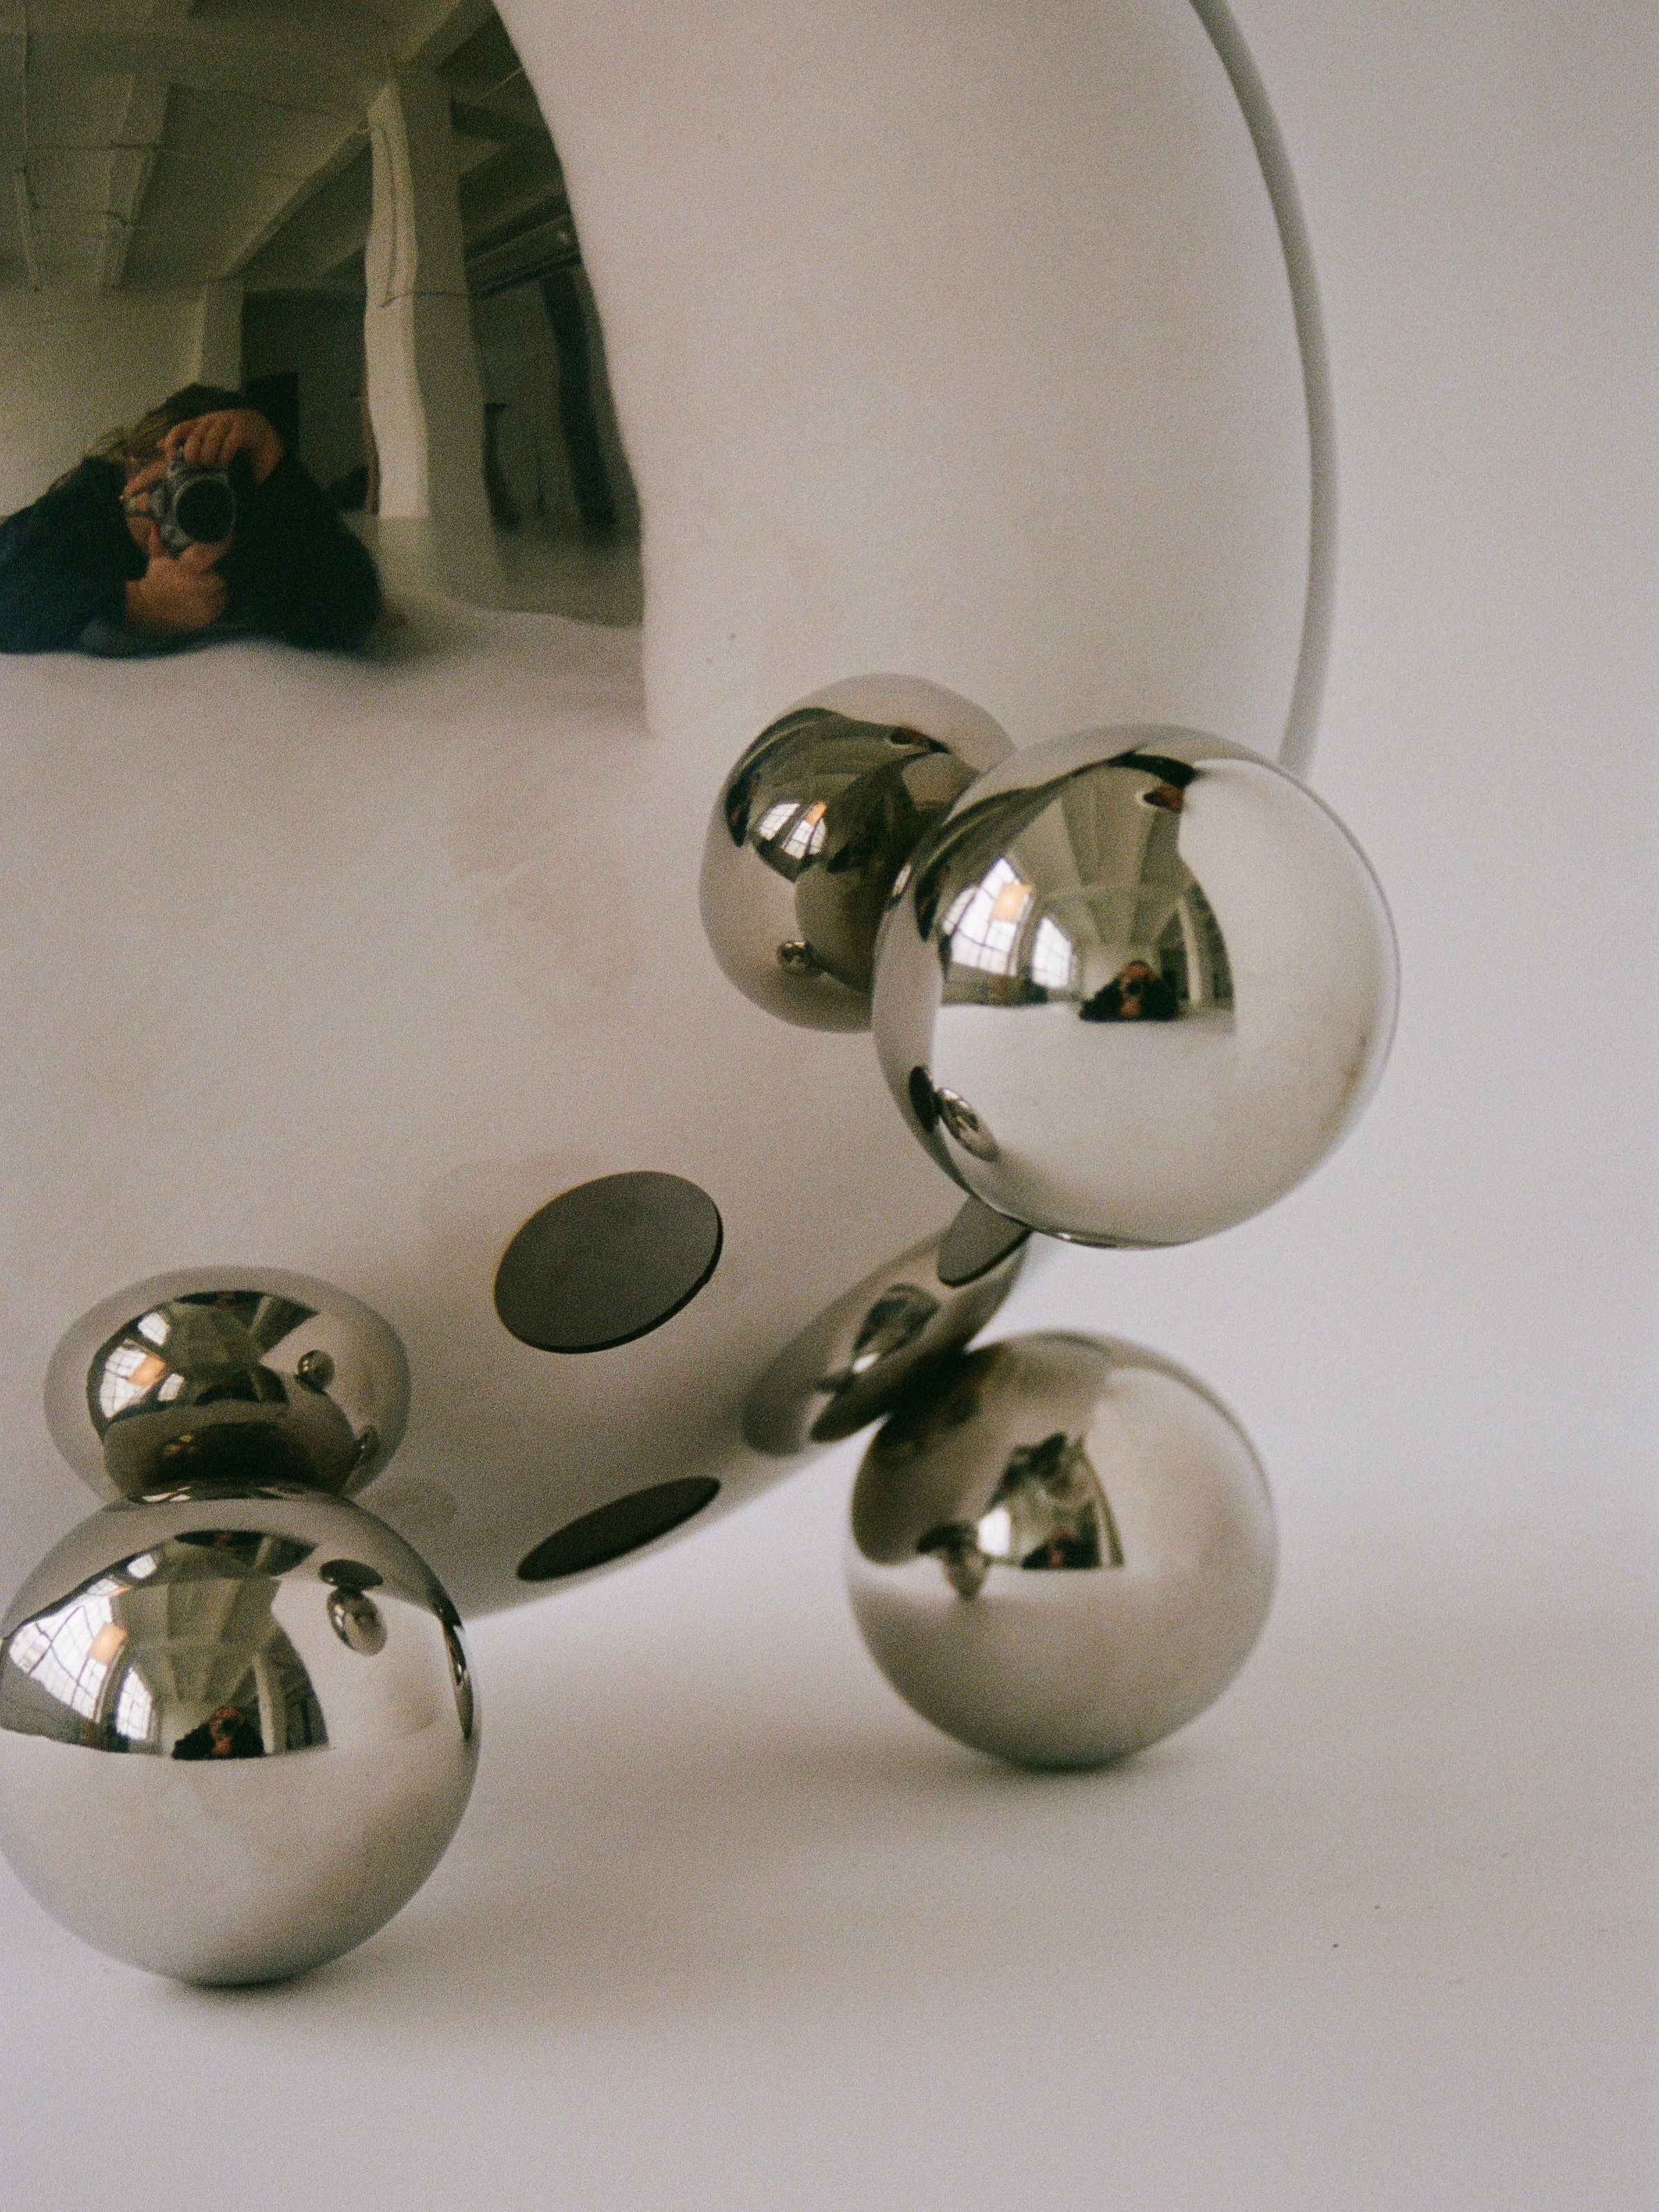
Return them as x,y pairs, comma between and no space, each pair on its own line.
358,218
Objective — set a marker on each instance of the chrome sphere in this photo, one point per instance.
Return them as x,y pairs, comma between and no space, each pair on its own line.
233,1376
236,1733
1061,1548
1134,987
851,1363
813,824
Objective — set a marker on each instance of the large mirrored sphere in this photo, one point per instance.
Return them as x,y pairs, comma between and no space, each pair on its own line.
1061,1548
1134,987
813,824
236,1735
237,1377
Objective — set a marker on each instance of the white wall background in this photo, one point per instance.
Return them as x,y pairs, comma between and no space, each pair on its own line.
74,364
725,1929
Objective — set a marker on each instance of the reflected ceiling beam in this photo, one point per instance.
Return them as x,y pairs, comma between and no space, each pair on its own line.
332,59
472,121
133,156
324,235
429,30
289,195
132,165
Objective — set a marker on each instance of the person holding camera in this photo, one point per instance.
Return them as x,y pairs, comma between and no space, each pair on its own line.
195,524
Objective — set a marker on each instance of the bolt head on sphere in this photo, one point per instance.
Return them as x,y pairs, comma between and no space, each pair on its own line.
236,1733
813,824
1061,1549
1134,987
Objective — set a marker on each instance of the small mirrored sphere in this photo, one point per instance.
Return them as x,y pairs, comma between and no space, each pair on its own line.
813,824
233,1376
1061,1548
236,1733
1134,987
852,1363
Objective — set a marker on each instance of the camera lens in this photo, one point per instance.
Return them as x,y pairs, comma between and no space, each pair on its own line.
205,509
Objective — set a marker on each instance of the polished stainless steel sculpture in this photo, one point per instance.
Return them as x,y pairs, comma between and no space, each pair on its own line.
238,1728
1061,1548
1127,987
1133,987
813,824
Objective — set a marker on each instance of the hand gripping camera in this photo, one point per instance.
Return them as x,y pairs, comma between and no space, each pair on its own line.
189,506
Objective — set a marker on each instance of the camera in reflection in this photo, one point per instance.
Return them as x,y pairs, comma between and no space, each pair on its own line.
189,506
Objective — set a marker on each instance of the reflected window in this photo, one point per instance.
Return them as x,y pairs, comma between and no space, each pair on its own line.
135,1708
1052,957
69,1653
983,923
806,839
129,1373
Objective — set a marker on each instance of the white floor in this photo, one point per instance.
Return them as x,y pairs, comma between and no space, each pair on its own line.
725,1929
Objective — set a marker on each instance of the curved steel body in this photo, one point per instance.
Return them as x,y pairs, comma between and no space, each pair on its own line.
852,1363
236,1733
1134,987
228,1377
1061,1548
813,824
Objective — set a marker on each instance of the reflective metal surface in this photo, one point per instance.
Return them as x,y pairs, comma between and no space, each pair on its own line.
851,1363
236,1733
1061,1548
1134,987
812,826
230,1377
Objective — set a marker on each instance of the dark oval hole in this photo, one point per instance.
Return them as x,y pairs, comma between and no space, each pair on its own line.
608,1261
349,1575
623,1526
977,1241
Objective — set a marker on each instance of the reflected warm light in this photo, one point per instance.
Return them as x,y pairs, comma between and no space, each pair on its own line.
995,1532
130,1373
806,837
108,1642
983,921
59,1650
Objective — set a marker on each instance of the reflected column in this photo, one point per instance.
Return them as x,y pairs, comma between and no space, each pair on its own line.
425,396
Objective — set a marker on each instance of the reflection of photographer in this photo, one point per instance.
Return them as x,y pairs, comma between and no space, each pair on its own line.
113,558
1135,994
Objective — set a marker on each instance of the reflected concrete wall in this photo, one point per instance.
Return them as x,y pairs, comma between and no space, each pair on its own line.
74,364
